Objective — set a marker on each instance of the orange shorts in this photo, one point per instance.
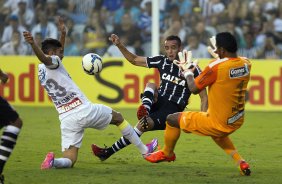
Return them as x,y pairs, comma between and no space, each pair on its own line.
200,123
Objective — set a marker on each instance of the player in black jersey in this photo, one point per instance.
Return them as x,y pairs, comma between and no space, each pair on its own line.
9,119
172,95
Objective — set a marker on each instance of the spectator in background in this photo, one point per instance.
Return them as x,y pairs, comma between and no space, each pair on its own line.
79,11
113,50
176,28
145,24
185,7
4,11
15,46
12,5
128,7
256,19
203,34
193,19
270,50
253,3
9,29
25,15
71,48
277,28
236,11
46,28
210,8
236,32
171,16
245,27
132,32
250,50
70,27
198,49
38,39
107,13
112,5
51,9
94,35
260,37
216,24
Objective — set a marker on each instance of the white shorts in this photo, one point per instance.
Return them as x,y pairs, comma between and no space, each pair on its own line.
95,116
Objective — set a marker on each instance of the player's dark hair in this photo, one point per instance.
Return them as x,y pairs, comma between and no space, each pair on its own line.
173,37
227,41
50,44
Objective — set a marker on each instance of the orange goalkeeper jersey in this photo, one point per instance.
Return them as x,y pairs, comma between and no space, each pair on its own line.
227,81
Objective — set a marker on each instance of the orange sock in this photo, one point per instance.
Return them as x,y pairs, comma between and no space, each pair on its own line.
171,136
226,144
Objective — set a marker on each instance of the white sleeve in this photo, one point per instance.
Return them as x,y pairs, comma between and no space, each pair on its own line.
55,62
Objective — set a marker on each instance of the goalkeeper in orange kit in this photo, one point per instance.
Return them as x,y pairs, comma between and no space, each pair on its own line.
226,77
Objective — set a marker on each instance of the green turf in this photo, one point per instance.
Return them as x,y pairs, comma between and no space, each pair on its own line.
199,160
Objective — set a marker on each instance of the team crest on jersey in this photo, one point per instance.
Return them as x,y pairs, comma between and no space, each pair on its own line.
239,72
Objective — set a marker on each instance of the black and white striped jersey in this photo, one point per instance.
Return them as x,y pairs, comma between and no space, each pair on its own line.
173,85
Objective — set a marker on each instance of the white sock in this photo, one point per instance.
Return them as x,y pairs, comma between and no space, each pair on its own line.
129,133
12,129
62,163
149,89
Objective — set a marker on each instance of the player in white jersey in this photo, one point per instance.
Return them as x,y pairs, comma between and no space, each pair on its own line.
76,112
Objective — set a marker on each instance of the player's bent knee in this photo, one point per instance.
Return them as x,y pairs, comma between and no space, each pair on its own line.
117,118
172,120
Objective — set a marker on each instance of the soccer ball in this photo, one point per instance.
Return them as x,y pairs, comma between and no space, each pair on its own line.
92,64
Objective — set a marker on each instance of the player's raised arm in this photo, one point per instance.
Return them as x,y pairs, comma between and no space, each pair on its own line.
62,28
132,58
3,77
38,52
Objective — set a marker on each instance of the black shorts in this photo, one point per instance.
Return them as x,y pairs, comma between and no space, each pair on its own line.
160,110
7,113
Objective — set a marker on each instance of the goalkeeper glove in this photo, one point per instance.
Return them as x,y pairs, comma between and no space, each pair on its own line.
212,49
185,63
185,60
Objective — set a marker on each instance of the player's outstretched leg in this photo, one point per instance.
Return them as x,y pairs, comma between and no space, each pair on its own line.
104,153
166,154
226,144
130,135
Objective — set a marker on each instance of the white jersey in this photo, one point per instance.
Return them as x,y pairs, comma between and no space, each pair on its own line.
64,93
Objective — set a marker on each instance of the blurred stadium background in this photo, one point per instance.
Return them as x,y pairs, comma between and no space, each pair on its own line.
257,24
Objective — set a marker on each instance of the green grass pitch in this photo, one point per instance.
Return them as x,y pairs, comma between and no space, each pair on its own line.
199,160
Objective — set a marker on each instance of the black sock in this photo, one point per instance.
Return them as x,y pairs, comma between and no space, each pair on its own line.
8,141
120,144
148,99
